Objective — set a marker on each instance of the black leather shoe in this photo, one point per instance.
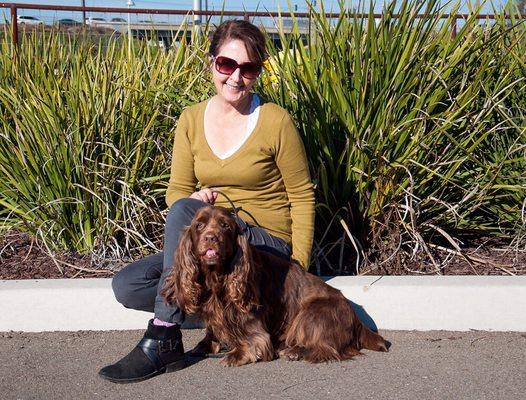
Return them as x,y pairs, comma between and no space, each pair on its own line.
159,351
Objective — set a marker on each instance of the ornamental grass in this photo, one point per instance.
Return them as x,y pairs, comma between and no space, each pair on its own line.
415,138
86,132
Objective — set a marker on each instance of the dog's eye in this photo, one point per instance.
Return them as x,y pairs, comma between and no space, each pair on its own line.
224,225
200,225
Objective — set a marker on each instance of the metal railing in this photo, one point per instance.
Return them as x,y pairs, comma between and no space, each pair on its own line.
13,7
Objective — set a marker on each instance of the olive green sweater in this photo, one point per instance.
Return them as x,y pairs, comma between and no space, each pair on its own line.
267,177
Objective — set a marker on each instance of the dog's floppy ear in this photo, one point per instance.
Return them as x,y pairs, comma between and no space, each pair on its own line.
182,285
242,284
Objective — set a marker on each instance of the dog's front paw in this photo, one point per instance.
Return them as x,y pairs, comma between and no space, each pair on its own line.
292,353
235,358
231,360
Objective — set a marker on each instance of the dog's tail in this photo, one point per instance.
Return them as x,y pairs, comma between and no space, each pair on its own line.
367,339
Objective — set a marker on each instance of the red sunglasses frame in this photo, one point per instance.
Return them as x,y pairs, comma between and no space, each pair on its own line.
234,64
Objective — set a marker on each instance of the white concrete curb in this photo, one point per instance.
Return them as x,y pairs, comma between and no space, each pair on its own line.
457,303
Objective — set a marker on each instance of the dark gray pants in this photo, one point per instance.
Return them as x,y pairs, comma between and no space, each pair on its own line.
137,285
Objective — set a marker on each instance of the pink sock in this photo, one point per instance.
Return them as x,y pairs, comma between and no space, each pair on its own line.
158,322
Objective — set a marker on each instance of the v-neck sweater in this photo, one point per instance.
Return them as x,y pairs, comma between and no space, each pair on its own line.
267,178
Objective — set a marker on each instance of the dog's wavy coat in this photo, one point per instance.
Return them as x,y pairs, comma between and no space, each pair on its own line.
259,305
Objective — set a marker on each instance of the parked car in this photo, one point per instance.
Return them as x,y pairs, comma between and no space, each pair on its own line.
68,22
118,19
28,20
94,21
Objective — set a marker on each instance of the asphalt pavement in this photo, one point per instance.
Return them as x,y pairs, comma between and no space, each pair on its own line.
419,365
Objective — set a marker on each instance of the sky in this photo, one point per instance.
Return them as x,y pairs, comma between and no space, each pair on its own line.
259,5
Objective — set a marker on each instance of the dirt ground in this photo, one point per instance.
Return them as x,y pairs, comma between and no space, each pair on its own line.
22,257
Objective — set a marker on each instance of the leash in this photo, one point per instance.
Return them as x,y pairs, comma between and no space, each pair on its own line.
244,228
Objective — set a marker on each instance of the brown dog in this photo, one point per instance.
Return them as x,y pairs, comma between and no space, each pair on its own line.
257,304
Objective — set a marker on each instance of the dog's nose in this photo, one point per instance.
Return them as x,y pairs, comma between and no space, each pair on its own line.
210,238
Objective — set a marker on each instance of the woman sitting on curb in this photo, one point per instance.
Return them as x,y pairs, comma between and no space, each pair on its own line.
236,144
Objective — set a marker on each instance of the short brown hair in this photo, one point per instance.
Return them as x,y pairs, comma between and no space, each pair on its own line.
248,33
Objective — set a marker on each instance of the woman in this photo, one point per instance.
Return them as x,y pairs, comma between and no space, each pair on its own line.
232,144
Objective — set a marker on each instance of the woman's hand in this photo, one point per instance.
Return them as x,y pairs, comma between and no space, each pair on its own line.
207,195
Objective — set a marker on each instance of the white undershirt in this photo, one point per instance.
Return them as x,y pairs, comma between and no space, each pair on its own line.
252,121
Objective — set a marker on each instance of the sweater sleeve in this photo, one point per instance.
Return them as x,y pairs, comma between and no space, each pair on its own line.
292,162
182,181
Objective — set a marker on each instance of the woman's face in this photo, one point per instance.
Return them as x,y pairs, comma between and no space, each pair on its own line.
232,88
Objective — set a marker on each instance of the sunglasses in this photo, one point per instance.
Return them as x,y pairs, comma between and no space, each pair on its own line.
227,66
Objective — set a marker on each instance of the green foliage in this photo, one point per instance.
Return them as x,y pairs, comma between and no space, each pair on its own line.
410,132
86,136
412,135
